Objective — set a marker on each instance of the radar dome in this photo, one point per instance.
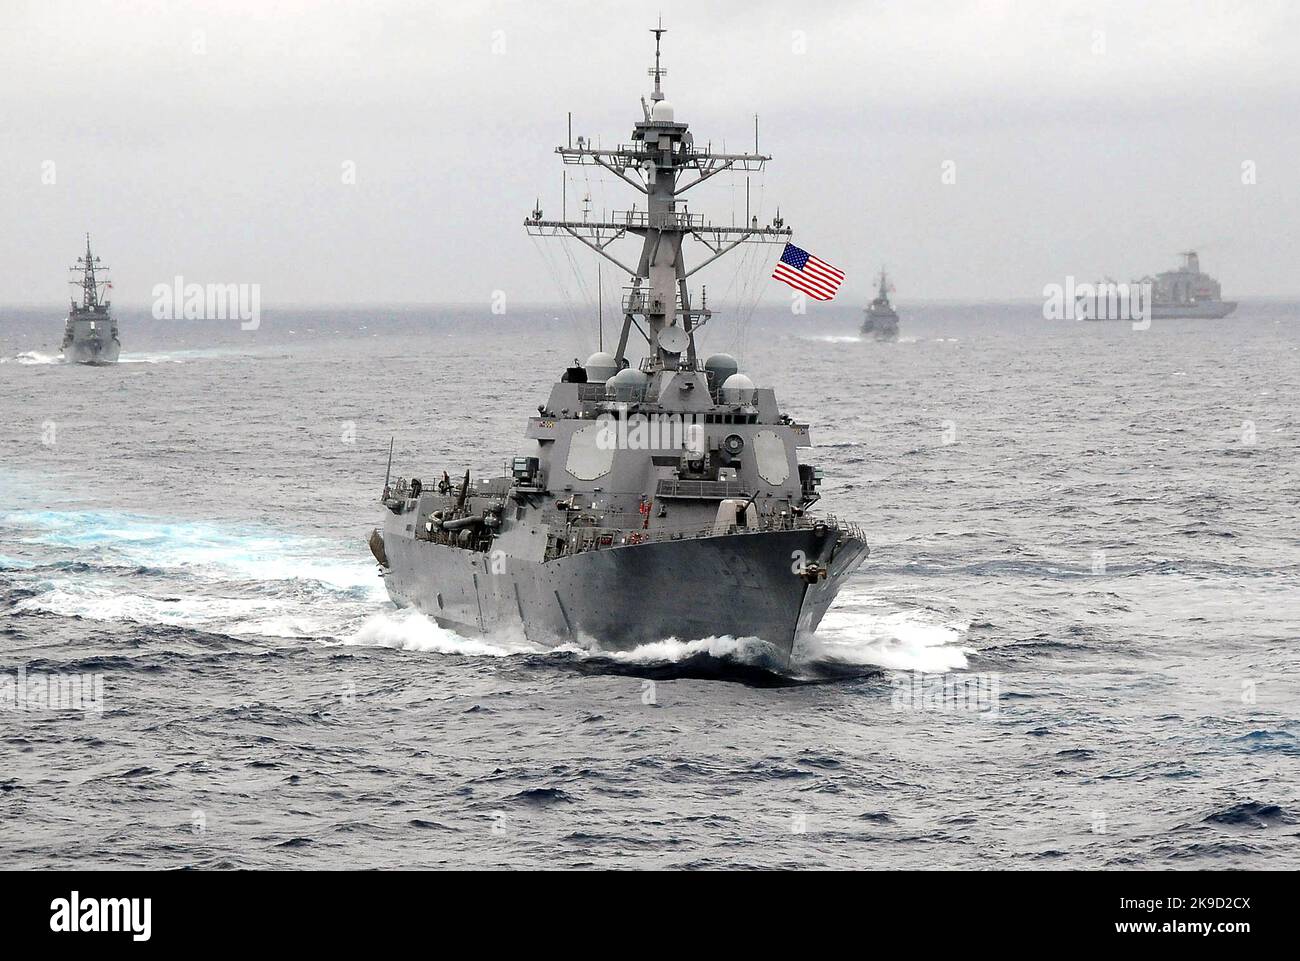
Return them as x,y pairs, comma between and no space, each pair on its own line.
738,389
601,366
662,112
720,367
626,383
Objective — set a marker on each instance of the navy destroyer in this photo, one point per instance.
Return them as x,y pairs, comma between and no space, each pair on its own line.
90,334
881,321
661,500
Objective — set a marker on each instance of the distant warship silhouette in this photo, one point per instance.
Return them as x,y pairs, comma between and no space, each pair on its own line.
90,334
881,321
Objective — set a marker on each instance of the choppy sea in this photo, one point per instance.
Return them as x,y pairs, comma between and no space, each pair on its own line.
1075,643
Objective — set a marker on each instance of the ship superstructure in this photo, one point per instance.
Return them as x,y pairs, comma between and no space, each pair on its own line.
90,334
662,498
881,320
1186,292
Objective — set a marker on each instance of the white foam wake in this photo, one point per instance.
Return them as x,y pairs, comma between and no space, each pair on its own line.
143,358
235,580
835,339
227,615
870,631
911,640
409,630
33,357
203,549
746,650
30,357
861,629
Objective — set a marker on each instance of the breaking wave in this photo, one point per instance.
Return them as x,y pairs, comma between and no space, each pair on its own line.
31,357
204,550
852,643
861,630
409,630
110,566
745,660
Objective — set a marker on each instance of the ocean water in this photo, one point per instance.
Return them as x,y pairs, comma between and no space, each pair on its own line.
1095,529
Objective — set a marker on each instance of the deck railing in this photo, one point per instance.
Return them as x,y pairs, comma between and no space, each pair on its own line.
583,539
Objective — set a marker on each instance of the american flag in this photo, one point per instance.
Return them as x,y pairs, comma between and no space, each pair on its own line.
802,271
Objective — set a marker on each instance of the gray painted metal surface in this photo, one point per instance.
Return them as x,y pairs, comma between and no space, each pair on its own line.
881,321
1182,294
90,333
1187,292
665,500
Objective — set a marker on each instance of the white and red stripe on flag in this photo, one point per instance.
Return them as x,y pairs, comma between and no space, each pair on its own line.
802,271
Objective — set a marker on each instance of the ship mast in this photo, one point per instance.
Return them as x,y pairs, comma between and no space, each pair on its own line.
86,266
661,151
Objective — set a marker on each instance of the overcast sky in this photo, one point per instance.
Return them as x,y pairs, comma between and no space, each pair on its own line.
211,140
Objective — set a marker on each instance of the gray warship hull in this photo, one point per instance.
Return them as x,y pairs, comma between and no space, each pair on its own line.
881,321
623,597
1205,310
90,332
881,325
93,352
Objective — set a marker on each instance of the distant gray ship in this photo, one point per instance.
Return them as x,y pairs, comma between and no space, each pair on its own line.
661,500
1186,292
881,321
90,335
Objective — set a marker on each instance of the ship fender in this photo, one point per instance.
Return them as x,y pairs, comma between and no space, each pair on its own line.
377,547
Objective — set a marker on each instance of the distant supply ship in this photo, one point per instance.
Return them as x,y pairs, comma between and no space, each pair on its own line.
1186,292
656,499
881,321
90,336
1180,294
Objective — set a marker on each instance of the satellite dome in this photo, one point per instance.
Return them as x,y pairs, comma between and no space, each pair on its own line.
601,366
630,377
662,112
738,389
720,367
626,383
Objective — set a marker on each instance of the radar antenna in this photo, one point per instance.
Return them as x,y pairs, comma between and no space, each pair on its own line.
653,163
87,266
656,71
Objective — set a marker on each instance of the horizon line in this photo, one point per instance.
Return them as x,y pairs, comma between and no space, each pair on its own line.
562,306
